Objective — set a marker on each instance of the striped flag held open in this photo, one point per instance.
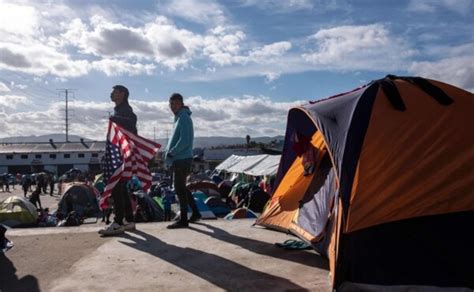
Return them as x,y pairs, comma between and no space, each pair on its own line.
126,154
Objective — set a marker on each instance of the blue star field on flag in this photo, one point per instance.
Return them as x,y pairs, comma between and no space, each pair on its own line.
113,160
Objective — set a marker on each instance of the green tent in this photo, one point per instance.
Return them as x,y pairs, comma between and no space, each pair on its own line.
17,211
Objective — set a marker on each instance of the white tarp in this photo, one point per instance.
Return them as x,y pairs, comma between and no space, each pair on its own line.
231,160
268,166
247,163
255,165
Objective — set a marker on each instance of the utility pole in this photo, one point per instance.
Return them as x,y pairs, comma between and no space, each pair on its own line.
67,120
66,92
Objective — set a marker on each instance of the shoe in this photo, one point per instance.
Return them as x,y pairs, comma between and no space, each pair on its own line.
6,245
178,224
112,229
195,217
129,227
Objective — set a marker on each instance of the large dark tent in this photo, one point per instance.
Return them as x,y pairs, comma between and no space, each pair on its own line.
381,179
80,198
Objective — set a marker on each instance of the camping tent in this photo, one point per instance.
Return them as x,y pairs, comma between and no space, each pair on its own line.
81,198
207,187
240,213
217,206
384,174
16,211
204,210
150,208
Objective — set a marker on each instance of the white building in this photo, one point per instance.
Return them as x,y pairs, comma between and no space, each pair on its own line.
53,156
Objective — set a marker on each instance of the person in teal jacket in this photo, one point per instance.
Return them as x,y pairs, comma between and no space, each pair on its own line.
179,154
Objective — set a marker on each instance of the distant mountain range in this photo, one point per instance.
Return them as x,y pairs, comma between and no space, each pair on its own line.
200,142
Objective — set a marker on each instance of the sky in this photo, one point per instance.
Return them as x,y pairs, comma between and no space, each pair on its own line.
240,65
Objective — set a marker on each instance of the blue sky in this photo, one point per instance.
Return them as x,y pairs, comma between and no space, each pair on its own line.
241,65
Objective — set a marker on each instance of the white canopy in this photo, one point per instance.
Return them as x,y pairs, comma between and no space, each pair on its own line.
268,166
255,165
230,161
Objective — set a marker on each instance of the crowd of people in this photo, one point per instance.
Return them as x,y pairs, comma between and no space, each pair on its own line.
126,203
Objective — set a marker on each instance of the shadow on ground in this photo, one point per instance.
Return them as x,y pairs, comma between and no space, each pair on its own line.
212,268
10,282
264,248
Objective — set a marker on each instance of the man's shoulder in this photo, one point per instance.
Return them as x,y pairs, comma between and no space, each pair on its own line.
124,108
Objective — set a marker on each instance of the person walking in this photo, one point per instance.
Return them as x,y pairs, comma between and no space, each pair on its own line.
124,117
35,198
179,154
51,181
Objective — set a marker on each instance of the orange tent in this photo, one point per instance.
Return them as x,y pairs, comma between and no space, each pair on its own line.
381,179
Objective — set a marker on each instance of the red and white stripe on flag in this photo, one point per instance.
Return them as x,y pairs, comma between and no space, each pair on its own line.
127,154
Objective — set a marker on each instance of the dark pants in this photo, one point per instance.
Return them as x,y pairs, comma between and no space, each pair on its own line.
167,216
51,189
181,169
122,204
35,200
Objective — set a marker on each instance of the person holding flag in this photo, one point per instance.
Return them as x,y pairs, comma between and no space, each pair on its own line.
126,154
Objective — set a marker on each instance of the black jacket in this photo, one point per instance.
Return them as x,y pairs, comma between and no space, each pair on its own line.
124,117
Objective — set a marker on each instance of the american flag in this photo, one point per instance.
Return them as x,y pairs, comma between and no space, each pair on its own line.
126,154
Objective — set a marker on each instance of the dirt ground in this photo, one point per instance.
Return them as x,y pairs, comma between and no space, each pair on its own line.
211,255
44,257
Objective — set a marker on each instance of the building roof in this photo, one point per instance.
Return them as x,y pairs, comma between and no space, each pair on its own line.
59,147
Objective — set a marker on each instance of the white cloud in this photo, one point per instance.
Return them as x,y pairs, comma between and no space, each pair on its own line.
96,40
458,71
267,52
12,101
107,38
40,60
421,6
367,47
463,7
223,116
271,76
280,6
18,20
4,87
447,63
223,47
20,86
113,67
286,64
200,11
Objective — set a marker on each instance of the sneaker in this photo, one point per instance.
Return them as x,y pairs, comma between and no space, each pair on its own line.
129,227
195,217
178,224
112,229
7,244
